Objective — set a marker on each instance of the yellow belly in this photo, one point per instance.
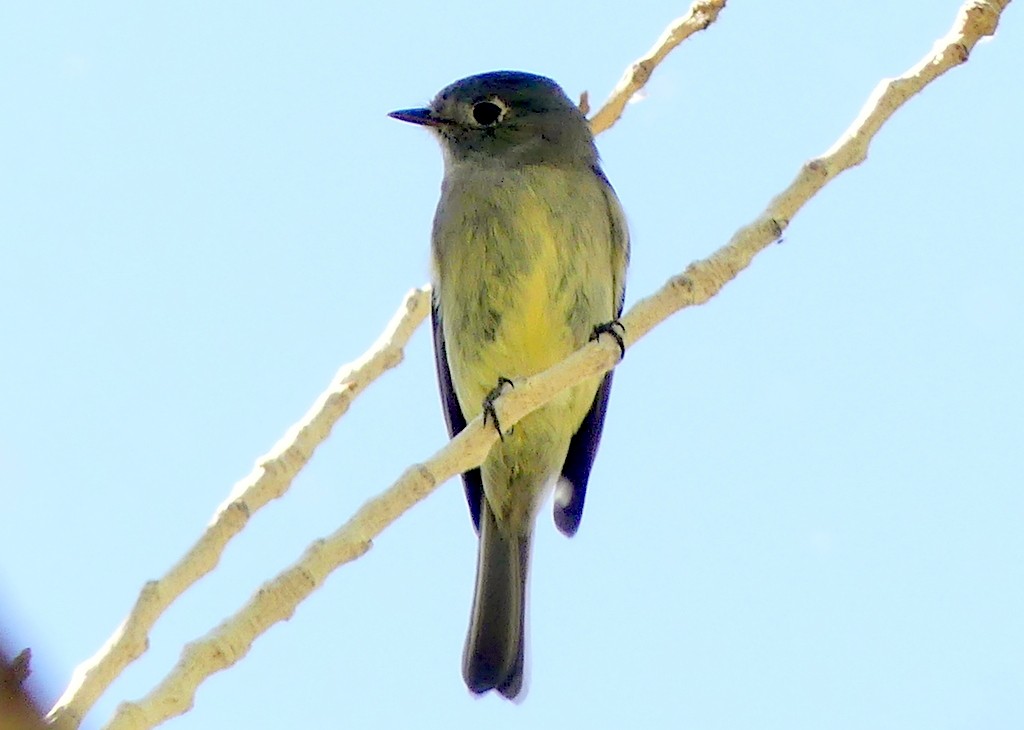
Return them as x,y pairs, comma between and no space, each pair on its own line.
524,271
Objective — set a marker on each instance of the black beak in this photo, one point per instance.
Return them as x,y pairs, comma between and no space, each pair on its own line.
417,116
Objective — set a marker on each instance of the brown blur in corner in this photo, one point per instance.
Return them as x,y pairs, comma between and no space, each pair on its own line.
17,711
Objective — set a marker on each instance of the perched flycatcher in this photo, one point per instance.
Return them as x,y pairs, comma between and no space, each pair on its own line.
529,255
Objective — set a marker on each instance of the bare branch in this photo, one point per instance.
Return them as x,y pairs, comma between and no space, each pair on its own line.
277,599
269,479
701,14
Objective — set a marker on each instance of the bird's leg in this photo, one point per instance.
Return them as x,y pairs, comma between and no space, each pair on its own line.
616,329
488,407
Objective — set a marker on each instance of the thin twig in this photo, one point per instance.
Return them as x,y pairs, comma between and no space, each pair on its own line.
700,15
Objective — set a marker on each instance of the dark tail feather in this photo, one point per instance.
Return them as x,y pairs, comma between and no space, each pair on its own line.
493,658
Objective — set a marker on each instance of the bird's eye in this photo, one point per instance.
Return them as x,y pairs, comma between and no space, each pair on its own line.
486,113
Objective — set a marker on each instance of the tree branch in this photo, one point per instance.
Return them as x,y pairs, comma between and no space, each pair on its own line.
700,15
269,479
277,599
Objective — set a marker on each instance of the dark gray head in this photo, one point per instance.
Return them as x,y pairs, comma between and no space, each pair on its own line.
515,117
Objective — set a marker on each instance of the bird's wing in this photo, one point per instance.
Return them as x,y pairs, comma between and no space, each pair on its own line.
453,413
578,462
579,459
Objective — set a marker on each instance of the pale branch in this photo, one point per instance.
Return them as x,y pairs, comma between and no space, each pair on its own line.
703,279
700,15
275,471
278,599
269,480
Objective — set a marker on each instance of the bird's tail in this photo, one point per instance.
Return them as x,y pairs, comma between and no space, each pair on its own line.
493,657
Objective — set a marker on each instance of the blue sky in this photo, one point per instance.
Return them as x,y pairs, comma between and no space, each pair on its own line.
807,510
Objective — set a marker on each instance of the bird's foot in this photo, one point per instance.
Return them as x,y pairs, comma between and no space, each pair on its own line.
488,407
616,330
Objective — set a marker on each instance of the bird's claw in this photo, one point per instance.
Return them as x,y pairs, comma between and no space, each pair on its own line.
489,411
616,329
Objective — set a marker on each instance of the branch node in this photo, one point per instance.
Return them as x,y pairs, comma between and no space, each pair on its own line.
150,592
584,104
683,282
642,72
237,513
818,166
426,477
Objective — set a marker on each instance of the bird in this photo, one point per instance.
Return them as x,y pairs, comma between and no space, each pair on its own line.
529,251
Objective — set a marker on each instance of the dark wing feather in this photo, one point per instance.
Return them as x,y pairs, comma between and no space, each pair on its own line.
583,447
578,462
453,414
